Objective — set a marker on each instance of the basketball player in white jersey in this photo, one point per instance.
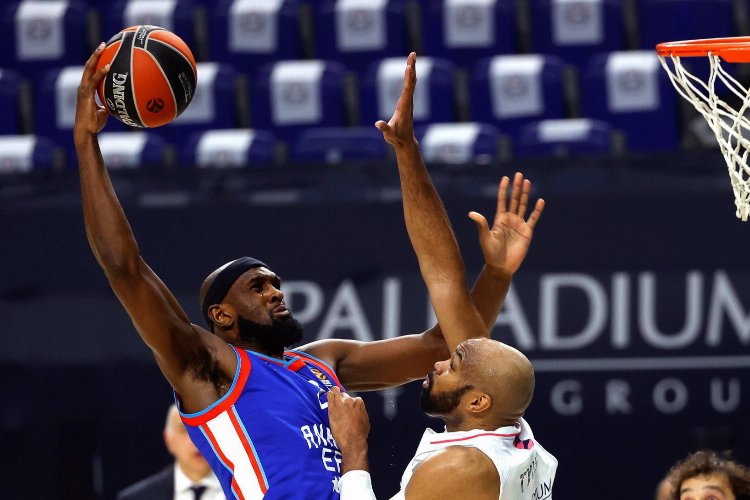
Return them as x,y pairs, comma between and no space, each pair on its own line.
488,450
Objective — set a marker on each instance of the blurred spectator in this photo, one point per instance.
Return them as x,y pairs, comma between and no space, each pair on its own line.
705,475
664,490
190,478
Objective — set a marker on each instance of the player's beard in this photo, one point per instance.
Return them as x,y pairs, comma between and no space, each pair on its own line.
281,333
441,403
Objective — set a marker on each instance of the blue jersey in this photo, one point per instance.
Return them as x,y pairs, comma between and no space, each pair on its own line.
269,435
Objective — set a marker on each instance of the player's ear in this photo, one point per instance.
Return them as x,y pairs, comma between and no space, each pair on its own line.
222,315
479,402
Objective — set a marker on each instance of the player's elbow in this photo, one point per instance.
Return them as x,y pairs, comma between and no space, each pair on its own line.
118,264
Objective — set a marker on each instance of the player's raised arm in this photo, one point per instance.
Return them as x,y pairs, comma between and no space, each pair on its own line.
428,225
385,363
194,362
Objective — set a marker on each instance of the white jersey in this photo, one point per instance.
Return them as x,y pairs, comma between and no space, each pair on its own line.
526,470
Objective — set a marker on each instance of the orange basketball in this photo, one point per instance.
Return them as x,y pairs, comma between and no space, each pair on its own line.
152,78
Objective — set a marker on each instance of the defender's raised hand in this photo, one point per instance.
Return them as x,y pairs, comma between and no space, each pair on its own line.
505,244
399,130
90,116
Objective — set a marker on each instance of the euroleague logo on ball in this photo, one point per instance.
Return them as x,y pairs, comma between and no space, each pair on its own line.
155,105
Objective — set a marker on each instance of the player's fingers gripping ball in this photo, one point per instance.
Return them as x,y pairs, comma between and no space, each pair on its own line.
152,77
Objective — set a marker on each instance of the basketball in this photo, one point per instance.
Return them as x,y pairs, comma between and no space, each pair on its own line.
152,77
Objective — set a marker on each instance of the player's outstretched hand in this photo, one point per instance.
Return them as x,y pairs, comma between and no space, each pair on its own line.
90,116
506,243
399,130
349,421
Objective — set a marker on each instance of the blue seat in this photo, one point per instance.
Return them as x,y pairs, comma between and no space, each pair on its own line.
565,137
235,148
132,150
173,15
511,91
21,154
629,91
290,96
359,32
9,98
55,108
433,97
249,34
458,143
334,145
672,20
212,106
577,30
42,35
466,31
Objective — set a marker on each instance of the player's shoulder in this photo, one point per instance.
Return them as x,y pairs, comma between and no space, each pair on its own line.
328,351
455,472
462,457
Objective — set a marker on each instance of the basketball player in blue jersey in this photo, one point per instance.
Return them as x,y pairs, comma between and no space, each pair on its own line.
481,391
257,411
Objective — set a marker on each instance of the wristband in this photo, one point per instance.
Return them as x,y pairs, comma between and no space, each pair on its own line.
356,485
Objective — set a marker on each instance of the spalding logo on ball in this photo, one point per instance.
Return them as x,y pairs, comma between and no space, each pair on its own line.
152,78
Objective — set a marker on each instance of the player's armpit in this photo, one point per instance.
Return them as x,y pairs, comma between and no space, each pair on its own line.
369,366
194,362
456,472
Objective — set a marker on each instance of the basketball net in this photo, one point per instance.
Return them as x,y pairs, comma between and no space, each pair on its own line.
729,125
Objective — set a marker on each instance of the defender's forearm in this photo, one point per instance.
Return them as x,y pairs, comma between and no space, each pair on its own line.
489,292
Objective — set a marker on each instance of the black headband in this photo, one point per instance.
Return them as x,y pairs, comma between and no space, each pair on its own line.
224,281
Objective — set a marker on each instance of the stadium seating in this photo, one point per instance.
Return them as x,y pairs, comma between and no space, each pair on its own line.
9,99
248,33
173,15
433,97
23,153
510,91
213,105
55,108
629,91
575,30
359,32
457,143
289,96
131,150
41,35
229,148
465,31
335,145
566,137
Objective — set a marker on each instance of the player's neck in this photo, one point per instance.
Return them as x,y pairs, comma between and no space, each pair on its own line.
470,424
250,345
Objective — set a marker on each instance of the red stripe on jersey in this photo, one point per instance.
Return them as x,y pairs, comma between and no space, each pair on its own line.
475,436
249,450
228,400
224,459
320,365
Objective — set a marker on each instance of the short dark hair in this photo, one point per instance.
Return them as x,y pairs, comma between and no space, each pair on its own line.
704,463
